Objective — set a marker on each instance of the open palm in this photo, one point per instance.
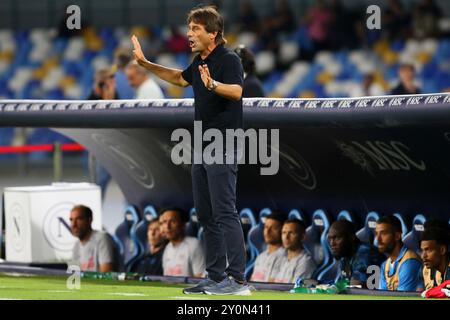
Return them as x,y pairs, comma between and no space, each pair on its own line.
138,54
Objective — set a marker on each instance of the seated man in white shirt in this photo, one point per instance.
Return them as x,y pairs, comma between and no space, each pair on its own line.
296,262
268,261
183,255
139,79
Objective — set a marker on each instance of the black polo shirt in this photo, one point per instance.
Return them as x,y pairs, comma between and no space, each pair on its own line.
213,110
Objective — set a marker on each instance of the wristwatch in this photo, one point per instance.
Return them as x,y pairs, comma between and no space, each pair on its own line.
213,86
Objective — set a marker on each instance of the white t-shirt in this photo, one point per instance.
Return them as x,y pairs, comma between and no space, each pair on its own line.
186,259
290,269
98,250
149,89
266,264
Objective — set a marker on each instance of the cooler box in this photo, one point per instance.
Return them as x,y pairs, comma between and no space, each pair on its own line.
37,226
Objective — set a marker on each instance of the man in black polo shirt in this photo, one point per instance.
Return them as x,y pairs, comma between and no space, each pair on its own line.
216,75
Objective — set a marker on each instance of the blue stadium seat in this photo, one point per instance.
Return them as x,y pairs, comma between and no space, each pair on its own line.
125,237
316,242
367,233
404,226
255,235
141,229
296,214
411,240
345,215
192,226
248,223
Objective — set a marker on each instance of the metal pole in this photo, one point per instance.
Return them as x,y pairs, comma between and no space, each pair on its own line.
57,162
92,168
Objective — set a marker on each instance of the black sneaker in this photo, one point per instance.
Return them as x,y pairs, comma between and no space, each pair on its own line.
200,287
229,286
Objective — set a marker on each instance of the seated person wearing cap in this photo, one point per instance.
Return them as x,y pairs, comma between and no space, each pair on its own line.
296,261
268,261
434,245
353,257
401,271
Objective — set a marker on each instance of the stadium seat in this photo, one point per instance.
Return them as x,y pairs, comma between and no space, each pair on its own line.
296,214
316,240
248,223
367,233
404,226
192,226
125,237
255,235
411,240
345,215
141,229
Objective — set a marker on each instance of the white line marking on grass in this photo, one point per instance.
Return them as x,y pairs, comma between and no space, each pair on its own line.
9,299
127,294
188,298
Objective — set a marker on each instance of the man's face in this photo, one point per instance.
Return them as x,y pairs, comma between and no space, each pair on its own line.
290,236
79,224
154,235
406,74
386,237
199,38
432,253
272,231
338,242
135,78
172,226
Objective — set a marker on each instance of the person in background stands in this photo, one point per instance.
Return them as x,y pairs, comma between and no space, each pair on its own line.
252,86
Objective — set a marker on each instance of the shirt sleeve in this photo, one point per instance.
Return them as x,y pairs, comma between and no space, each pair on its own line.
409,275
198,260
187,74
105,249
233,72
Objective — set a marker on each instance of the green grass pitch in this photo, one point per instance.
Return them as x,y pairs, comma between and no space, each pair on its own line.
15,286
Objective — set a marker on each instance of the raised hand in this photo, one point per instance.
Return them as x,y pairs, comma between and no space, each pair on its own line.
205,75
138,54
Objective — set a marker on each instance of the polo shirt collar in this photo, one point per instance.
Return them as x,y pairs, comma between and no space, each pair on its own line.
401,253
215,54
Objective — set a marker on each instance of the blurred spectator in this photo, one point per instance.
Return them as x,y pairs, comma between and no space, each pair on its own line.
268,261
318,20
94,250
352,256
139,78
400,272
183,255
281,21
426,17
434,244
104,86
252,85
397,21
248,20
295,262
151,263
122,57
342,27
177,43
406,73
368,88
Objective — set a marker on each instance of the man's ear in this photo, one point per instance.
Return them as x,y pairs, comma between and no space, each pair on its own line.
212,35
398,236
443,250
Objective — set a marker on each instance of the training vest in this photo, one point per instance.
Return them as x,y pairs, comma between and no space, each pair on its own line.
433,277
392,282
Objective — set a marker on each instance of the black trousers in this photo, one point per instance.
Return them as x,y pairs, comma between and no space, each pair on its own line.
214,189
